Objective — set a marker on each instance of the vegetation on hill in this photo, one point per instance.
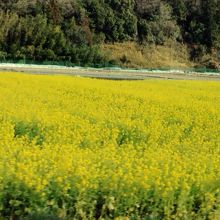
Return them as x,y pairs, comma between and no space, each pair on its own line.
74,30
133,55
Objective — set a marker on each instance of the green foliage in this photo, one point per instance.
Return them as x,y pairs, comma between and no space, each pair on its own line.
199,21
58,30
160,27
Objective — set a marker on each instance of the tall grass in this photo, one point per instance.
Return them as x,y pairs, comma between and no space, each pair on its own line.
133,55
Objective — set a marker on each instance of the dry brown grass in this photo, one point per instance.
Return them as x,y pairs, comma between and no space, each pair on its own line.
130,54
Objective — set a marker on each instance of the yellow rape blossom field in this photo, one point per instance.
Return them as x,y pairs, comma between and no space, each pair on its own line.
77,148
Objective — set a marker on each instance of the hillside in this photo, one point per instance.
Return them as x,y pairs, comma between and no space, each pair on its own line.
88,32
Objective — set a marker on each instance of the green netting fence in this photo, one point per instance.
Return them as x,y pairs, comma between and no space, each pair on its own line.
110,66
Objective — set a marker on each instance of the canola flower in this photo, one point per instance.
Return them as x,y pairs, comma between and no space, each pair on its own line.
95,149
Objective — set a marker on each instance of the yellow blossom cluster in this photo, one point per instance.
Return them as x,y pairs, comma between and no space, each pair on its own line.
95,149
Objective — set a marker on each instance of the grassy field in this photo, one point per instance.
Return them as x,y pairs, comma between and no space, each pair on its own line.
81,148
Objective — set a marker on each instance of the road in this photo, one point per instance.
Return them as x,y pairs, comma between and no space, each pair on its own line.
109,74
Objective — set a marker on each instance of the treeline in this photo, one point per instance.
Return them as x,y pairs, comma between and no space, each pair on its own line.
72,30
